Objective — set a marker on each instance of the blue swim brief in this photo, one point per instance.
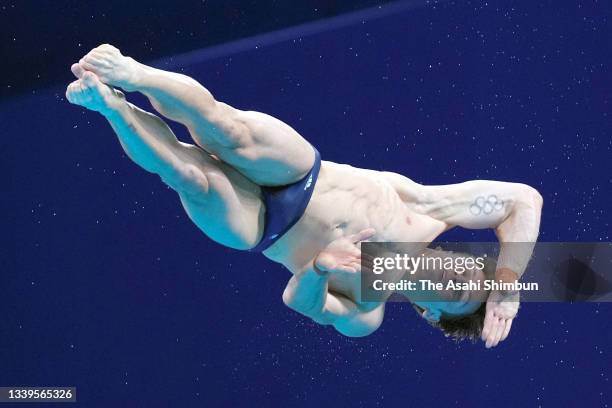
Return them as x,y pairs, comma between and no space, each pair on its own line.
285,205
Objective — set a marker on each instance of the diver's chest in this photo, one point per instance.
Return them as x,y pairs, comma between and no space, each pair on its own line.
351,204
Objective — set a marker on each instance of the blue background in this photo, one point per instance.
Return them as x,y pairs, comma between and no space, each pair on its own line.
107,286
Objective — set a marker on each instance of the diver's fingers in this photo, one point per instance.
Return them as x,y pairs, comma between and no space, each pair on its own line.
492,334
367,257
367,261
500,331
354,252
507,329
356,266
489,337
486,329
362,235
345,268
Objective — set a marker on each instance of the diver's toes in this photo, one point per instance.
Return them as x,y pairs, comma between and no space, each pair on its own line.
106,47
77,70
68,94
86,66
90,79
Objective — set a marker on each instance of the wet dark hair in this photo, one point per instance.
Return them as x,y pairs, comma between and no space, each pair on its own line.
468,327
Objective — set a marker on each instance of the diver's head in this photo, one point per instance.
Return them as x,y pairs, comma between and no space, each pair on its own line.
466,326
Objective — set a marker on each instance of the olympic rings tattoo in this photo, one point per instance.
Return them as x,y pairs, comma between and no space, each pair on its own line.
487,205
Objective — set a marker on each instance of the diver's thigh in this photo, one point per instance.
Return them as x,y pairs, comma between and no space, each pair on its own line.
231,212
273,154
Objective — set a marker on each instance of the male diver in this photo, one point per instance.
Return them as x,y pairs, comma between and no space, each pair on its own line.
251,182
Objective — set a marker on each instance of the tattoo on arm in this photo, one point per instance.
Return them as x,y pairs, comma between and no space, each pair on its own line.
485,205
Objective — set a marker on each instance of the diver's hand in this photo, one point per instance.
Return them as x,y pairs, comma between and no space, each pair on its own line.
502,307
343,254
307,290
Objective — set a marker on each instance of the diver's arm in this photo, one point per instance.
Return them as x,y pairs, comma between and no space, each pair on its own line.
512,209
307,291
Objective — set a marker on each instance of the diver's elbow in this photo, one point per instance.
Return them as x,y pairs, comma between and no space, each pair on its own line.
360,326
531,197
355,333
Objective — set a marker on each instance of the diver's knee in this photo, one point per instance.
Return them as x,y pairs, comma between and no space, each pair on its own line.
187,178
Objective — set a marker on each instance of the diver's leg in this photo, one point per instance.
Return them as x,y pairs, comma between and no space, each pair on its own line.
221,202
263,148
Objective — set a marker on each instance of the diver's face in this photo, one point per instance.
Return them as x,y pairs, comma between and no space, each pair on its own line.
449,304
460,302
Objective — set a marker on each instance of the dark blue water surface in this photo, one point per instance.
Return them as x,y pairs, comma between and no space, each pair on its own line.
107,286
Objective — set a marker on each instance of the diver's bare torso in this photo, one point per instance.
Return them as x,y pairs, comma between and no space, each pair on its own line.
346,200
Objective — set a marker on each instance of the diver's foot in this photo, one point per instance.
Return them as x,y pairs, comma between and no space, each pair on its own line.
110,66
89,92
